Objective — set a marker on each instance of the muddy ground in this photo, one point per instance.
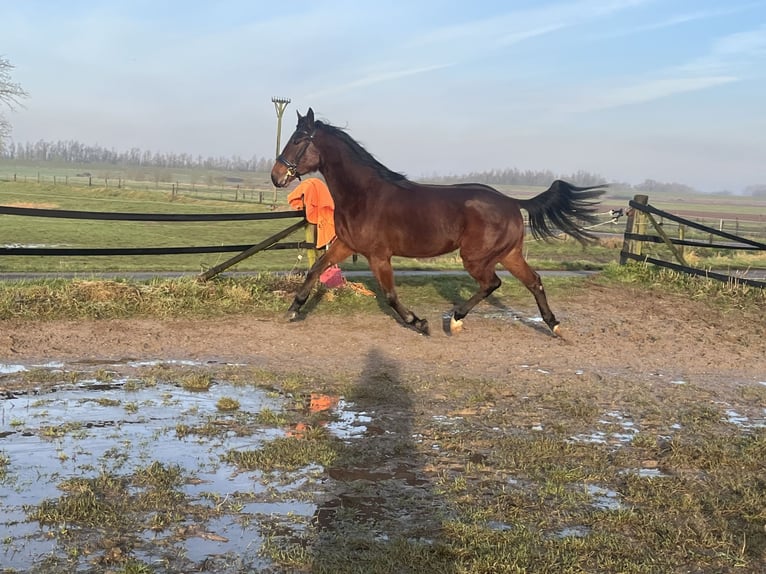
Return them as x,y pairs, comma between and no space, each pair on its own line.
607,330
630,359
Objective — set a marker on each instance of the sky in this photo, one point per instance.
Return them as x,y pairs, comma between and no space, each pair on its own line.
670,90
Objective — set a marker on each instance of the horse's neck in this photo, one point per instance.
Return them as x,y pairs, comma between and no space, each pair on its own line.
346,179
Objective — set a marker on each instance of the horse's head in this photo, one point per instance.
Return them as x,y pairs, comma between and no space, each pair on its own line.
300,155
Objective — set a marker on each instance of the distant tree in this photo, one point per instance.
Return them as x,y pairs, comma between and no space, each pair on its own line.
11,94
651,185
514,176
756,190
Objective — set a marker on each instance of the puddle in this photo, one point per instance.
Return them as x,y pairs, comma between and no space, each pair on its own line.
508,315
604,498
572,532
10,369
744,422
646,472
117,427
621,430
499,526
349,423
33,245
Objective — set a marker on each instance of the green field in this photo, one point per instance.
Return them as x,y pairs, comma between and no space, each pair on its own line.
114,189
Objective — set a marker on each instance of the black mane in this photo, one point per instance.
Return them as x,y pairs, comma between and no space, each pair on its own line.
364,157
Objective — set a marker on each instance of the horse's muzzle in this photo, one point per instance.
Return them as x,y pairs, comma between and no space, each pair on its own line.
284,171
280,176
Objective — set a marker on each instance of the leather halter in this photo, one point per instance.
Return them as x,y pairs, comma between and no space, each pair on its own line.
292,167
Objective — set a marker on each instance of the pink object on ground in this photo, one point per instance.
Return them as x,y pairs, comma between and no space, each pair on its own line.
332,277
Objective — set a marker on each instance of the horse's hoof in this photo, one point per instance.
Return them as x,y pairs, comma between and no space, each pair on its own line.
557,330
455,326
291,316
422,326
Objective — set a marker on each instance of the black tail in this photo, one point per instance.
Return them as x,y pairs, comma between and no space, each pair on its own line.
560,207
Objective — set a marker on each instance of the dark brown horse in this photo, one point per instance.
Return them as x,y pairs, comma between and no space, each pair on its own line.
380,213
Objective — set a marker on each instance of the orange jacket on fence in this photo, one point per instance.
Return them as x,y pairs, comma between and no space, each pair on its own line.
313,196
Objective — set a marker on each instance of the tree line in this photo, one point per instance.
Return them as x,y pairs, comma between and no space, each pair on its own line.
76,153
543,178
515,176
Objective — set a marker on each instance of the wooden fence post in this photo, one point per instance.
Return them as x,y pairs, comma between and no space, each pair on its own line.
265,244
681,236
634,224
311,237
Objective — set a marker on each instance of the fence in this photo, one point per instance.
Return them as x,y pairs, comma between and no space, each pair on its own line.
641,214
253,187
271,242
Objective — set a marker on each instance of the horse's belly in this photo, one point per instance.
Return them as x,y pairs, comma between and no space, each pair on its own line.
410,238
425,248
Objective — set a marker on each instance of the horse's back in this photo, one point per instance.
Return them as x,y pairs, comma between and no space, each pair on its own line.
418,220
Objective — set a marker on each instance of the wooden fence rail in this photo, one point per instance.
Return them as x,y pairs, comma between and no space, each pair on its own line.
641,215
271,242
237,188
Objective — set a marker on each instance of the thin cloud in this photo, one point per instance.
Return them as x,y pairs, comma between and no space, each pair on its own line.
728,58
647,91
751,43
680,19
479,36
376,78
738,52
519,25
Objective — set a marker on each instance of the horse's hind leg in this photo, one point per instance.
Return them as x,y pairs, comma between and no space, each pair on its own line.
384,273
517,265
337,252
488,281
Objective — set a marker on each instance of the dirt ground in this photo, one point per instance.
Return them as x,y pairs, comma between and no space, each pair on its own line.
437,415
615,330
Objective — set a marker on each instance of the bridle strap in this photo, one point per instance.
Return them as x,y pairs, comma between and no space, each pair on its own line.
292,167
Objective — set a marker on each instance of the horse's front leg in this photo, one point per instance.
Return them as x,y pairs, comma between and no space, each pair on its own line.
337,252
384,273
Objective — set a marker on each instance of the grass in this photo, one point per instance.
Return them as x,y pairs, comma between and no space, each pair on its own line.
287,454
522,473
503,498
196,381
113,502
506,483
51,299
226,404
731,294
16,230
269,295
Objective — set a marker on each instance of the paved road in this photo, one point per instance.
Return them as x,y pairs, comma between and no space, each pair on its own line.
757,274
148,276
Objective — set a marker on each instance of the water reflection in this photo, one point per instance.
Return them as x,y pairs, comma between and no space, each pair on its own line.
116,427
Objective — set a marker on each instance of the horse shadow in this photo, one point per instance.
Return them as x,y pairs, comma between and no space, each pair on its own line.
381,513
454,292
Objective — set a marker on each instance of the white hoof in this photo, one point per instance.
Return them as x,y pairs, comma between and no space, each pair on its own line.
455,326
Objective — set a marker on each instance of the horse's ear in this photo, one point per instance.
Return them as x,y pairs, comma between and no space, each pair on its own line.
310,118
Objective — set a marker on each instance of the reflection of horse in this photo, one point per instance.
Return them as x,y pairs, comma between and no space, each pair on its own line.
380,213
